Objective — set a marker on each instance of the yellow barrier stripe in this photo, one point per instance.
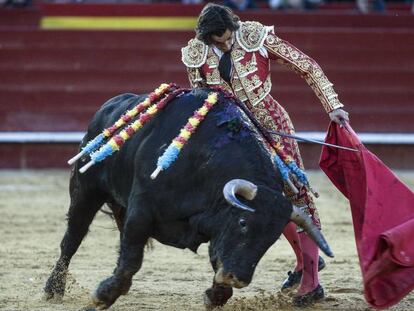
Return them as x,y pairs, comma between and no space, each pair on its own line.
147,23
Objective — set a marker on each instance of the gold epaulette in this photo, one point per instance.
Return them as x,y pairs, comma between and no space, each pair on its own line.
194,55
251,35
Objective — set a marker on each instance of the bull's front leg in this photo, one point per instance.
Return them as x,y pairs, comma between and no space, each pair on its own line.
134,237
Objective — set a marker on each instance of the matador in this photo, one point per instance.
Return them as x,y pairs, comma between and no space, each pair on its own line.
236,56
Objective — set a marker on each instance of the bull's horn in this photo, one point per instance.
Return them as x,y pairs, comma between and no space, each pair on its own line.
242,187
304,221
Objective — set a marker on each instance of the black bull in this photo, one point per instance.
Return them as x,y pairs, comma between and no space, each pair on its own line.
184,206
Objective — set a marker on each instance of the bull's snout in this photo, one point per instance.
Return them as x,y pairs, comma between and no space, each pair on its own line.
228,278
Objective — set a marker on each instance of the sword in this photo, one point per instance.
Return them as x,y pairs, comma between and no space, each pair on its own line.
312,141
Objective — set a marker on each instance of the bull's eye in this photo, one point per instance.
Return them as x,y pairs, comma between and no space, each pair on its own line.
242,223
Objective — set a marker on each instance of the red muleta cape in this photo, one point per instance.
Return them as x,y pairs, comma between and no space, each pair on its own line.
383,216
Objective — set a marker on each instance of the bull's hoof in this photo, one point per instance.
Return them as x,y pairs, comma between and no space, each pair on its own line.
99,304
217,296
54,288
108,292
52,297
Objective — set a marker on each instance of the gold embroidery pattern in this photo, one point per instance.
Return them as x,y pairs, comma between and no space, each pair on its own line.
257,96
252,84
213,78
212,59
244,70
241,95
195,78
227,87
237,86
262,114
194,54
251,35
308,68
237,54
244,89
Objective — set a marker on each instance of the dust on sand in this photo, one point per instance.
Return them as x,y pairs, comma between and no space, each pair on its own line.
33,206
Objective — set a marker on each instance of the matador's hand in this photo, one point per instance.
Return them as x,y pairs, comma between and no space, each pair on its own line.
339,115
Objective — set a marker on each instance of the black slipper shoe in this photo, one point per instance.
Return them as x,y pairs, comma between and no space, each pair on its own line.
295,277
309,298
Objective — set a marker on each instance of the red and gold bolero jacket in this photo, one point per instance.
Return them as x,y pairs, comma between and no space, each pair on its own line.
254,47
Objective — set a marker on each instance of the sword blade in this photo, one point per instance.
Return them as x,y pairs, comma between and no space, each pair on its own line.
312,141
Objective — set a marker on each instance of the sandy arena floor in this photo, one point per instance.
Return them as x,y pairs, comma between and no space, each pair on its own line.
33,207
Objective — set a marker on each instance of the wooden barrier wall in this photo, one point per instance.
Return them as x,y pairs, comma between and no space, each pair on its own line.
54,80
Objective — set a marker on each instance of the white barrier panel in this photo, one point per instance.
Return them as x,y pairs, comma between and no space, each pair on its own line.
76,137
41,137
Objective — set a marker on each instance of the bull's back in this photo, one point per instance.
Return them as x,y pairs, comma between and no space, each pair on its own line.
137,158
110,112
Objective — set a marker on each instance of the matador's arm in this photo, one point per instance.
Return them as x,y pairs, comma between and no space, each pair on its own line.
289,55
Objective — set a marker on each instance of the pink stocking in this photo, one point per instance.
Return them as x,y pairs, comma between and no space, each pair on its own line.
310,252
293,238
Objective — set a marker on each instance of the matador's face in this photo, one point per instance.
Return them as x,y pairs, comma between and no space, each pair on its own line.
223,42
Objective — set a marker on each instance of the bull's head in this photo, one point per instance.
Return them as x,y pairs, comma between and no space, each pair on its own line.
247,232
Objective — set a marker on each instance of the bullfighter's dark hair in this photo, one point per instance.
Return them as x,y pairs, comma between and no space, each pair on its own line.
215,19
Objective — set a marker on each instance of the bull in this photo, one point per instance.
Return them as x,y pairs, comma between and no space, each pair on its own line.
223,189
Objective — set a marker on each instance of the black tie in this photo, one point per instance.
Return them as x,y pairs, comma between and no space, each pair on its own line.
225,66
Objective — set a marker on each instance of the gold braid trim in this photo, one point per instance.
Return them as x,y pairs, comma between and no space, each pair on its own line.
307,67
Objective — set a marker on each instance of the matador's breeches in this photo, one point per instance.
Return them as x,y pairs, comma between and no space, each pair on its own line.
272,116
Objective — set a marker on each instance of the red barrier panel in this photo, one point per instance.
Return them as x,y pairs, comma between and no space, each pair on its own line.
55,80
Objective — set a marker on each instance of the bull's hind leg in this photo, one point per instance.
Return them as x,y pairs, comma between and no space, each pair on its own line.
118,213
135,235
83,207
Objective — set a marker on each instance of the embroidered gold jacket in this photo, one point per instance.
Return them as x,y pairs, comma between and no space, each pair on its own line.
250,80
